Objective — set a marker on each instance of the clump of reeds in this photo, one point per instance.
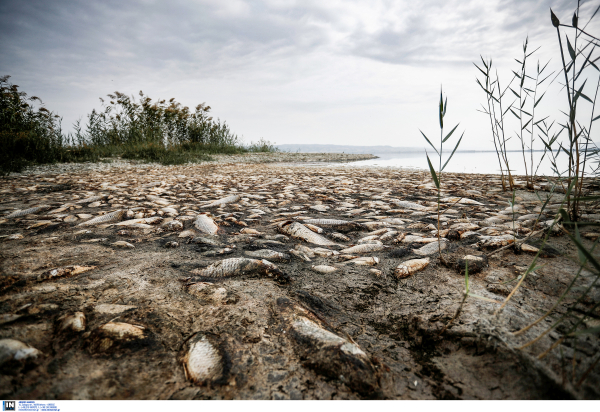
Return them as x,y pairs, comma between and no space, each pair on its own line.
146,130
578,54
150,130
526,96
29,133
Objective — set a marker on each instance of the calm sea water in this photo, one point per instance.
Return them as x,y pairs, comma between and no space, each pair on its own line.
463,162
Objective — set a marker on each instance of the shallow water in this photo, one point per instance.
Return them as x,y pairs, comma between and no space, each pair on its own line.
464,162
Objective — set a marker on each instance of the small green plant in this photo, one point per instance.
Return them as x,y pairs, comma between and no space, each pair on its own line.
437,176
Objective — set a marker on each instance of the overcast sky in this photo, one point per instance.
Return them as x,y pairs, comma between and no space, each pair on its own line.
352,72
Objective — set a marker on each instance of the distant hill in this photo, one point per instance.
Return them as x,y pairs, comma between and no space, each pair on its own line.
335,148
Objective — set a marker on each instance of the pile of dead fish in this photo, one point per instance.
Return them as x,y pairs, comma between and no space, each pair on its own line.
254,221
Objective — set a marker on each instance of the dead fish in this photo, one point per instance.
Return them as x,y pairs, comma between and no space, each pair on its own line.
375,225
369,239
223,201
342,257
339,236
158,200
269,255
248,231
300,255
242,266
92,199
305,250
65,271
320,208
123,244
342,225
495,241
394,221
364,261
400,238
388,236
299,231
408,205
206,241
101,239
327,353
12,350
322,252
15,236
188,233
206,224
73,322
405,269
475,263
458,200
112,333
146,220
364,248
430,248
324,268
463,226
376,234
204,362
219,252
107,218
29,211
173,226
314,228
9,317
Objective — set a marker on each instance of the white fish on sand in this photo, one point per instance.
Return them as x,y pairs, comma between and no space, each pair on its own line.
206,224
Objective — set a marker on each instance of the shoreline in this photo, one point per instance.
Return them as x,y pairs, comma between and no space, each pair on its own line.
250,158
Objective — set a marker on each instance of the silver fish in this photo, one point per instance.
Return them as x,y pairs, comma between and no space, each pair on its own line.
107,218
339,236
223,201
269,254
324,268
28,211
430,248
240,266
364,248
92,199
298,230
364,261
388,236
205,224
343,225
408,205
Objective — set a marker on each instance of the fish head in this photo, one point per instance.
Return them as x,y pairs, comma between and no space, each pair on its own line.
273,271
282,277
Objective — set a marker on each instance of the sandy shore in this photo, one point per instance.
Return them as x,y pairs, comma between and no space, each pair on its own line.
113,286
251,158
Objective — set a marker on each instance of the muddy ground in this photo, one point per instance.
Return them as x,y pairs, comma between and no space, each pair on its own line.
392,326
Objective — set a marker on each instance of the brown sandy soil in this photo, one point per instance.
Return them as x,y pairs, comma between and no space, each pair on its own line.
349,334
